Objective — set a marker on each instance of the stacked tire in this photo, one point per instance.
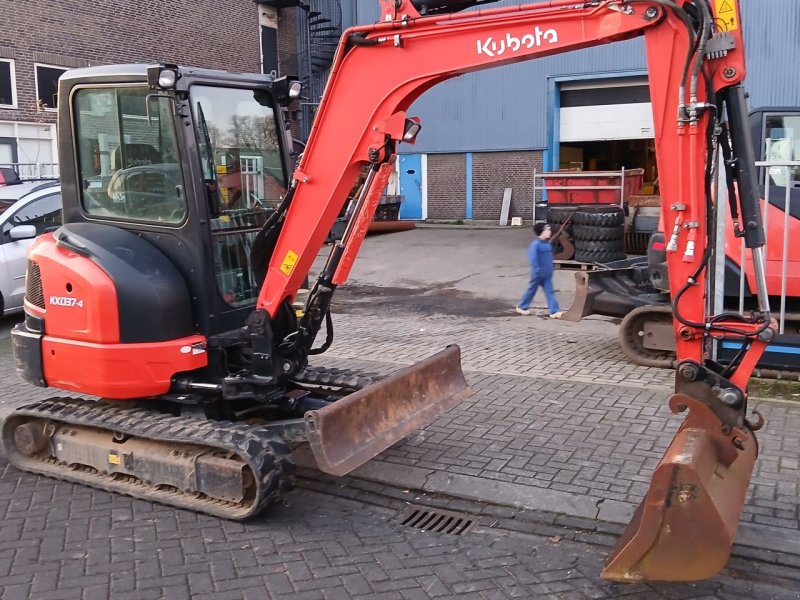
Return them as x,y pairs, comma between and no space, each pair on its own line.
598,233
556,217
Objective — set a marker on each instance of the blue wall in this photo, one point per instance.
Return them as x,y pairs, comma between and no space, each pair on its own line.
507,108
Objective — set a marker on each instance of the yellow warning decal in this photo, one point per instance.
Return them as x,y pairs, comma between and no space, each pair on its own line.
726,13
113,459
287,266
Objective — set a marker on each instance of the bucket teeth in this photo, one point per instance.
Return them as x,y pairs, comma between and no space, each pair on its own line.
684,528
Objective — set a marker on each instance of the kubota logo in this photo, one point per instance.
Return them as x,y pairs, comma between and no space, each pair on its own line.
490,47
66,301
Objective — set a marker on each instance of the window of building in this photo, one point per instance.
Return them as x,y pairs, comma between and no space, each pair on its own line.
7,84
47,85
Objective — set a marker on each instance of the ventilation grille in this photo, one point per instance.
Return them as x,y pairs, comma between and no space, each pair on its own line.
440,521
33,285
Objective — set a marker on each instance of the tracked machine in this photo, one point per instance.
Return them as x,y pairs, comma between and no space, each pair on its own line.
637,290
168,292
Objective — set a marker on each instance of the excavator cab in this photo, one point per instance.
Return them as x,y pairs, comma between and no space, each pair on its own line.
191,161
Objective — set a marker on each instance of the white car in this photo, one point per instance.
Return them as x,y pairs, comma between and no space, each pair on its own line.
26,210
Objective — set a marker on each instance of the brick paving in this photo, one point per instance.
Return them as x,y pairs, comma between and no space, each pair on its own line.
61,542
536,421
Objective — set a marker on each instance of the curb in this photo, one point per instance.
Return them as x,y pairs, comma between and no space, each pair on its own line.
759,542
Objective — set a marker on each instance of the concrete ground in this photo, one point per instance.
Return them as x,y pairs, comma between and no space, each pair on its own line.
546,461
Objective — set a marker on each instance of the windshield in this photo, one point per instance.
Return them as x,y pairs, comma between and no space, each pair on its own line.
237,137
239,126
128,163
782,144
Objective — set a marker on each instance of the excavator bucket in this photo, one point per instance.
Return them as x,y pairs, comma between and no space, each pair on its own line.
684,528
611,292
347,433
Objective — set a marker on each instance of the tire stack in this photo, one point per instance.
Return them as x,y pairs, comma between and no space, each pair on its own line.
556,217
598,232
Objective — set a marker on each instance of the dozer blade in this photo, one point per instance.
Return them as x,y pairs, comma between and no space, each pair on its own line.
350,431
611,292
684,528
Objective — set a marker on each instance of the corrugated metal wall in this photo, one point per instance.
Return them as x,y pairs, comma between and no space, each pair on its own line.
506,108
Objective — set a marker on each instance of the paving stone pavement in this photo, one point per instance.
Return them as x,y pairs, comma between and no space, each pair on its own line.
59,541
528,346
539,420
561,426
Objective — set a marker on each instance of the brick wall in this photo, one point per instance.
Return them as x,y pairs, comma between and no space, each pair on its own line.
492,172
447,186
200,33
287,41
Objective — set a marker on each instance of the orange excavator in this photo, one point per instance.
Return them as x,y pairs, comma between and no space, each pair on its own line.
175,309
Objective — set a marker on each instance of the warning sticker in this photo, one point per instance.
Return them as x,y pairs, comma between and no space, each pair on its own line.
287,266
113,459
726,13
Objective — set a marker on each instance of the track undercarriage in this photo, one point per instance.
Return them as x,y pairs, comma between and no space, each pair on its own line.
229,469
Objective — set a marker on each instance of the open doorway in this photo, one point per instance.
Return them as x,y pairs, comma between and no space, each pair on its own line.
612,155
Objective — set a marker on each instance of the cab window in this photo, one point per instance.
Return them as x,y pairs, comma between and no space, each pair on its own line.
782,144
128,162
237,137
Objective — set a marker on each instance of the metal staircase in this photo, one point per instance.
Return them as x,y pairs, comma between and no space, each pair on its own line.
320,27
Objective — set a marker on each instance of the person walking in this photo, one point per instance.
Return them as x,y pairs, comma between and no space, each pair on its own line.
540,255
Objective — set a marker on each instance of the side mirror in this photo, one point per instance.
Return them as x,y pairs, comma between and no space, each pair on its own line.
22,232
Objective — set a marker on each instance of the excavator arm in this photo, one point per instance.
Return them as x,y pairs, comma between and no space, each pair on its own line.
685,526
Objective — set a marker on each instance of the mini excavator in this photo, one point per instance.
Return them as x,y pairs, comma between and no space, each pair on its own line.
168,292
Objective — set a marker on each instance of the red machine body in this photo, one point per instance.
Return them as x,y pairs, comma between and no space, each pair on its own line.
81,350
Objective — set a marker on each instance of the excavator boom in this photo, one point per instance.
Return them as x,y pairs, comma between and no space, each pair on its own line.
696,65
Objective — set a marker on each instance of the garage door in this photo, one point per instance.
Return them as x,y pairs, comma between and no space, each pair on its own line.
617,110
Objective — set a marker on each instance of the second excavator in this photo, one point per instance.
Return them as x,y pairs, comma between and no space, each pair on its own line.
168,292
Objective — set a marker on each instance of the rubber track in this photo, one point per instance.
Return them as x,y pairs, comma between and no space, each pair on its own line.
338,378
265,453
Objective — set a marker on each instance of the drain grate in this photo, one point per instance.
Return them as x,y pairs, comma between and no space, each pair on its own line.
440,521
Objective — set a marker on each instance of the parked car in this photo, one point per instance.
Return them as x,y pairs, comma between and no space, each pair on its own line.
26,210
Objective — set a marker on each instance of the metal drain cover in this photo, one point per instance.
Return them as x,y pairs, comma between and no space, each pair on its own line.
432,519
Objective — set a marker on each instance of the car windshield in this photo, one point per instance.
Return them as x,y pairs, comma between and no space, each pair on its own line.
128,158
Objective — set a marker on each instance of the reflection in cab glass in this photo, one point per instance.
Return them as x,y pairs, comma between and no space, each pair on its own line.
783,145
238,143
128,162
